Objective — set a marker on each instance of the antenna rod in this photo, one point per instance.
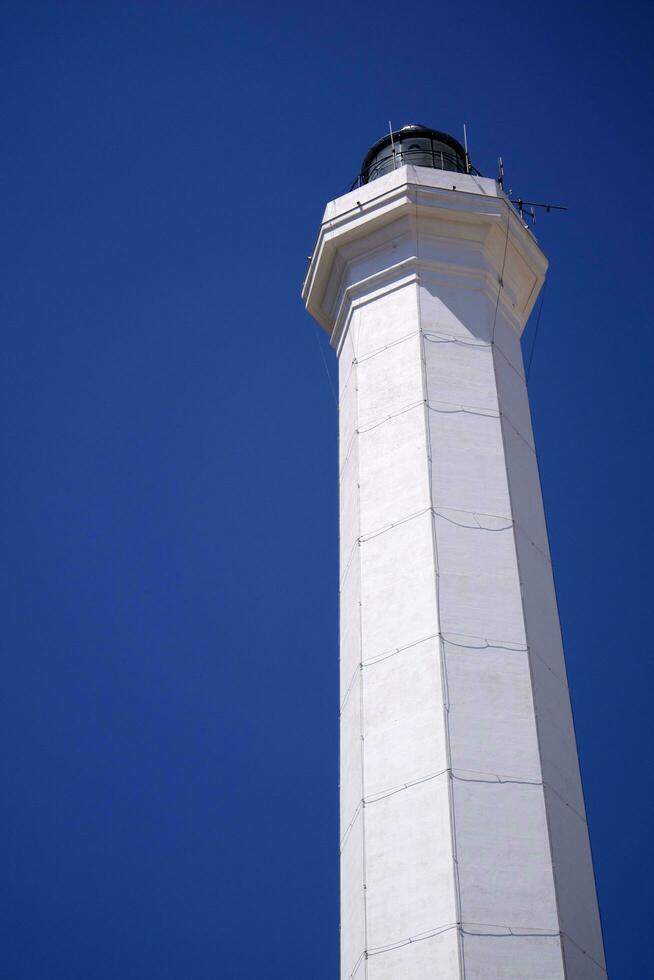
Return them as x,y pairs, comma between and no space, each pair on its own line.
465,143
535,204
390,129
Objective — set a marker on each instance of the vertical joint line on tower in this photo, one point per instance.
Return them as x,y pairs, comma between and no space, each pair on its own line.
361,706
441,646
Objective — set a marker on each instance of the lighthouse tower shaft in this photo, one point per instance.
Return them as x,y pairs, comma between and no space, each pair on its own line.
464,845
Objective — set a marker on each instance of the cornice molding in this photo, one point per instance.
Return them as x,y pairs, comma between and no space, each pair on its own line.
450,234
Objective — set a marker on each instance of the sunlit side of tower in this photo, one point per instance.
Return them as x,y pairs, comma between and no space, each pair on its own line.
464,845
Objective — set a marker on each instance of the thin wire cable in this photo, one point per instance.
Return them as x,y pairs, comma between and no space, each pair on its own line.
533,345
501,282
324,361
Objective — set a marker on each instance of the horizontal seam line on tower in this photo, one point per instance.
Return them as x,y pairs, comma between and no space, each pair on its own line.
432,337
417,938
526,932
498,779
382,350
457,409
401,787
378,659
429,334
456,773
511,646
392,653
437,512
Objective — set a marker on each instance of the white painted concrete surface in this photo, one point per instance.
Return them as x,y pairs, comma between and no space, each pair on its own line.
464,846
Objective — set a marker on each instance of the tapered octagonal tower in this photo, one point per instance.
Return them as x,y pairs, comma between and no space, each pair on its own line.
464,845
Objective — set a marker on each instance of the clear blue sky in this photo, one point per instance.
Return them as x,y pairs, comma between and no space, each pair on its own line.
169,507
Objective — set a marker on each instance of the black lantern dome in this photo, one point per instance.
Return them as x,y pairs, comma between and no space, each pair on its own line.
415,144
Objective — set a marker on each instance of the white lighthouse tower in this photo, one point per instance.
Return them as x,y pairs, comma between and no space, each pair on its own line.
464,845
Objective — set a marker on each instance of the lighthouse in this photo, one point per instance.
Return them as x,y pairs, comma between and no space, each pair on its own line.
464,844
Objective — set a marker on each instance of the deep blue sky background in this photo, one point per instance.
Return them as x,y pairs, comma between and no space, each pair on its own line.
168,724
